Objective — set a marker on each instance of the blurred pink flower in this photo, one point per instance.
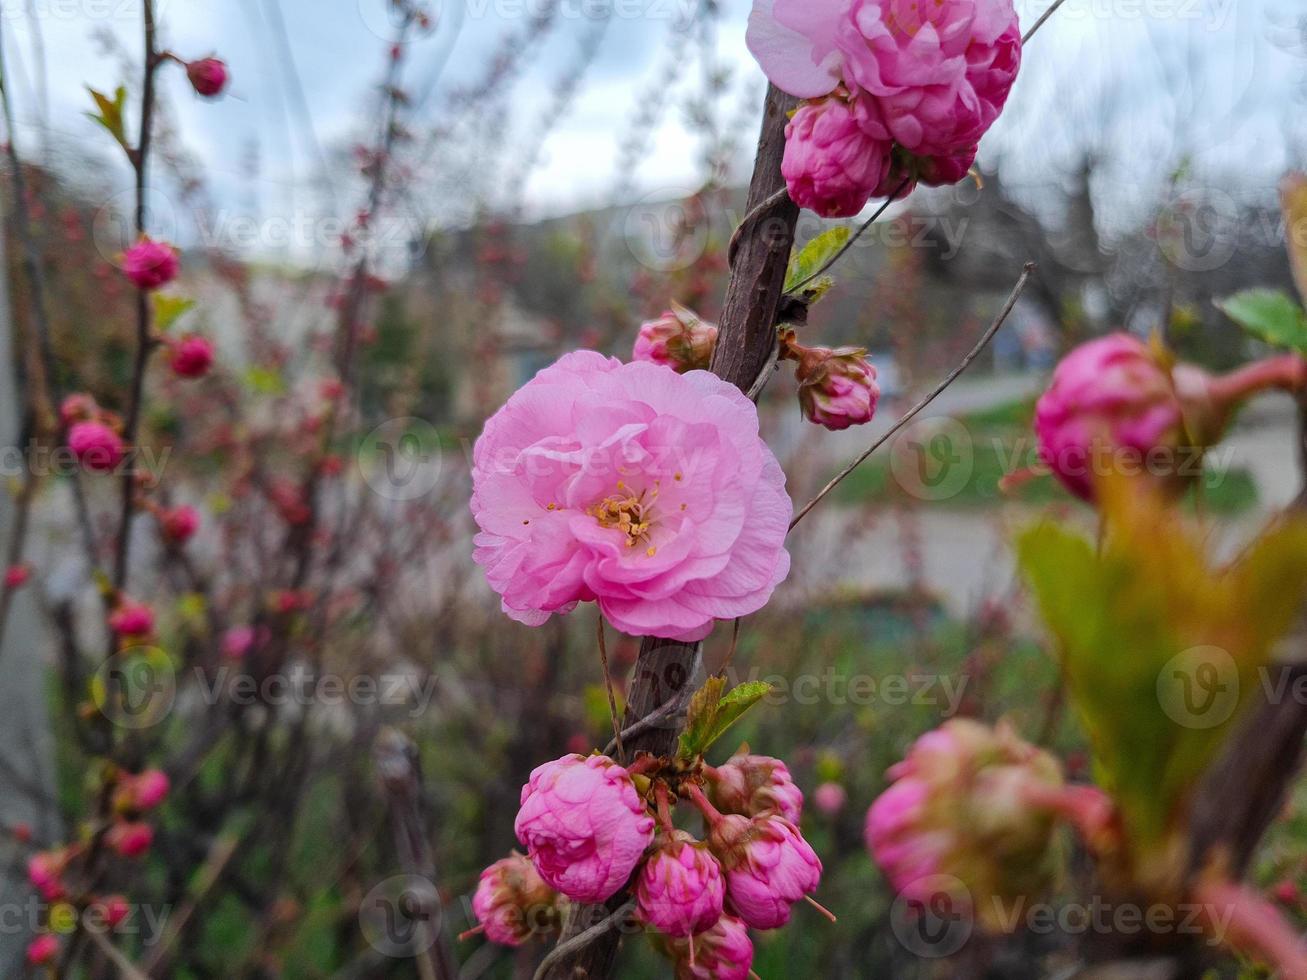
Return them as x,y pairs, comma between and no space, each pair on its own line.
143,791
150,264
238,640
129,838
830,798
724,952
42,950
680,891
768,867
679,339
831,166
78,407
96,446
208,76
45,872
513,902
191,356
16,576
755,784
584,825
647,491
113,909
131,618
180,523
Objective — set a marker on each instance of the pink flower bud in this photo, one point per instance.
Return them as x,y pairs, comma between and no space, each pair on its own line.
45,872
132,619
130,838
142,792
208,76
96,446
113,910
768,866
680,891
42,950
584,826
723,952
751,785
679,339
972,803
831,166
238,641
190,357
78,407
837,388
16,576
180,523
150,264
830,798
513,902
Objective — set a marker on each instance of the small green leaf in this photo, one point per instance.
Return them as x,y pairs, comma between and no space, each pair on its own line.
110,114
169,309
1269,315
712,713
816,254
264,381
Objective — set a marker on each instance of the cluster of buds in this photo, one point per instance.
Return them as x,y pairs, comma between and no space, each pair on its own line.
593,828
150,265
976,807
1117,405
837,387
93,433
679,338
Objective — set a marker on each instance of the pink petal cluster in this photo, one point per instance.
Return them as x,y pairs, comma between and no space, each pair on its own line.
837,388
584,825
180,523
112,910
972,803
129,838
208,76
513,902
768,867
680,891
43,949
679,339
190,357
132,619
96,445
150,264
45,872
647,491
831,165
142,791
723,952
751,785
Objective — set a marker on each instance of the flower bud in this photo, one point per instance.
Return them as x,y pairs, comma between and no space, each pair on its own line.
751,785
16,576
142,792
190,357
723,952
150,264
96,446
768,867
680,891
78,407
129,838
208,76
831,165
837,388
42,950
45,872
180,523
830,798
132,619
679,339
513,902
113,910
238,641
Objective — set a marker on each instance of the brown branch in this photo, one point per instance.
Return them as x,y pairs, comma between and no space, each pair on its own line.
665,669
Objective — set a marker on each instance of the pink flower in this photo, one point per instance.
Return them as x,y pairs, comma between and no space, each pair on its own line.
78,407
238,640
679,339
96,446
16,576
724,952
129,838
751,785
647,491
142,792
132,619
830,798
513,903
837,388
939,73
795,42
680,891
208,76
831,165
190,357
112,910
768,866
150,264
971,803
45,871
584,825
42,950
180,523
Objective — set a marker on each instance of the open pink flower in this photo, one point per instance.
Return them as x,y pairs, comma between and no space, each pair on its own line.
645,490
724,952
795,42
680,891
755,784
513,902
831,166
584,825
150,264
96,446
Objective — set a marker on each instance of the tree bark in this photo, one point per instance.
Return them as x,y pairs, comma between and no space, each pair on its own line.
746,337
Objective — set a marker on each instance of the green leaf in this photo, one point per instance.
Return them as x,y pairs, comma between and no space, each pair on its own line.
814,255
169,309
264,381
1269,315
110,113
712,712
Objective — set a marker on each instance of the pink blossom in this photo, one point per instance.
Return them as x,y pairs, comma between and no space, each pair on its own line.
113,910
584,825
150,264
680,891
830,798
16,576
831,166
190,357
132,619
42,950
208,76
180,523
129,838
751,785
837,388
45,872
513,902
768,866
238,640
78,407
645,490
795,42
724,952
142,792
96,446
679,339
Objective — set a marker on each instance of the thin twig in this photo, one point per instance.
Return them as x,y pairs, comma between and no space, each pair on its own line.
584,939
1040,23
953,375
750,218
126,968
854,237
730,654
608,685
659,714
